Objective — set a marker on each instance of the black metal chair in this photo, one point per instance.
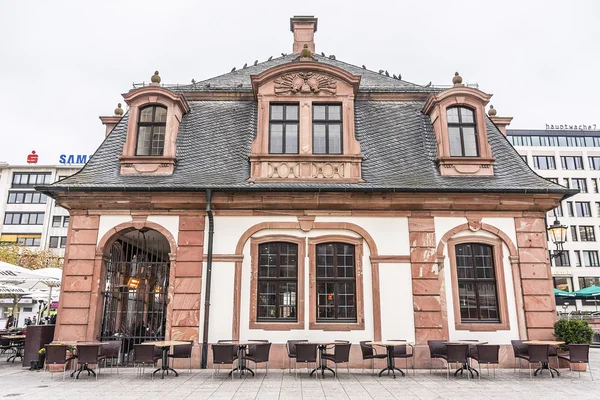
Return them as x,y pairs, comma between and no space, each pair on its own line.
521,352
57,355
578,354
224,354
305,353
88,355
183,351
402,353
341,354
437,350
486,354
260,354
456,353
111,351
370,353
144,354
538,353
5,346
291,351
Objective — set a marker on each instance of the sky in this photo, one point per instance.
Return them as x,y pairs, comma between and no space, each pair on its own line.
65,63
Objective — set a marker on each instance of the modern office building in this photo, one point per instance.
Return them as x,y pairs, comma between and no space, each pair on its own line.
570,158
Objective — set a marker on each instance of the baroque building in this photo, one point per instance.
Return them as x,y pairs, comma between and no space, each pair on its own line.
306,198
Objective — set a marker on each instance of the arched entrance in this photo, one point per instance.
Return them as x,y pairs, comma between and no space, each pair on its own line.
135,294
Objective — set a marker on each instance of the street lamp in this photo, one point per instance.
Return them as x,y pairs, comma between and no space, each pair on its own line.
558,235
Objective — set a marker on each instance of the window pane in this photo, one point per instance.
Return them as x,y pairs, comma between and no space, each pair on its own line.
291,113
345,301
318,112
267,300
161,115
467,115
487,301
335,139
319,144
468,301
325,300
325,261
455,146
335,113
146,114
452,114
158,140
291,138
287,300
276,141
143,143
277,112
470,141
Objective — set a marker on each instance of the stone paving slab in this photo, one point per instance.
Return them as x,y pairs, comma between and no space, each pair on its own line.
19,383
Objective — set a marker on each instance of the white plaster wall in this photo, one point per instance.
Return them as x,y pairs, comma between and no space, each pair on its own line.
221,302
443,225
397,318
389,233
169,222
107,222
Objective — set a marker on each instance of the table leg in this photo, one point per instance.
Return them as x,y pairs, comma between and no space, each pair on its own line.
241,363
322,363
391,366
468,368
546,366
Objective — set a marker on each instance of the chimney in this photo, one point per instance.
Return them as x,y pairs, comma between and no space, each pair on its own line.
111,121
304,28
501,122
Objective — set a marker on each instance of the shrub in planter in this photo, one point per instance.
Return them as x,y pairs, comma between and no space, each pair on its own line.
574,331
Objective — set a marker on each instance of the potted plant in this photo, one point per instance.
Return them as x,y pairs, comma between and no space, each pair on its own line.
573,331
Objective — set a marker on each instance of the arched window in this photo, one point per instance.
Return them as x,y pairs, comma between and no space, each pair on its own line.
277,294
476,275
151,131
336,282
462,132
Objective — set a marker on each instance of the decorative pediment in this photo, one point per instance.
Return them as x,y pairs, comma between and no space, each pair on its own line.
305,83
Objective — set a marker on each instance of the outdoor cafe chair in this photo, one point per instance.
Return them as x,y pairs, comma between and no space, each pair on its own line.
521,352
224,354
401,352
57,355
291,351
486,354
5,346
305,353
259,354
111,350
183,351
341,354
89,355
437,350
578,354
538,353
370,353
144,354
456,353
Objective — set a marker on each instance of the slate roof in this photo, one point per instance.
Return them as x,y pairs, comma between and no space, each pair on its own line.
396,138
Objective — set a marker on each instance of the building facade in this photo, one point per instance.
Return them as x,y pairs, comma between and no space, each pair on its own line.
306,198
572,159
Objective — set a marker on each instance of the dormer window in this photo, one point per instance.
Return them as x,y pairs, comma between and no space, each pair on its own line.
462,132
151,131
327,129
283,129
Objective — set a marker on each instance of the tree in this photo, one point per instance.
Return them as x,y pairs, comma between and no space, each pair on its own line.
27,258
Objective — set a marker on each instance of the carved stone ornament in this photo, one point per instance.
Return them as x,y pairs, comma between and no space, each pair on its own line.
305,82
474,224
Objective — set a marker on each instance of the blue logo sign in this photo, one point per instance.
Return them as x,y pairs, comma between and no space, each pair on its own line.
74,158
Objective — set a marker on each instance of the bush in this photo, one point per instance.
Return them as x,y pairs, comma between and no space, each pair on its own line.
574,331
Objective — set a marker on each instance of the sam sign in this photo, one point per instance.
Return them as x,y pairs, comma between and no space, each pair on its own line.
74,158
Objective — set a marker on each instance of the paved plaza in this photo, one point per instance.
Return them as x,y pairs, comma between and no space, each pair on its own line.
17,383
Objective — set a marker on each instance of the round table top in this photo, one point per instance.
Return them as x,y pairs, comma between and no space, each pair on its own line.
241,342
390,343
474,342
166,343
14,336
548,342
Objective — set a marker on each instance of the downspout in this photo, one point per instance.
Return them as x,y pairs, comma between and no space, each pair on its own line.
211,230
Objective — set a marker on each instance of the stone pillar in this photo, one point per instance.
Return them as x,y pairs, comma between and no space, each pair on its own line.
536,278
186,290
426,286
77,312
304,28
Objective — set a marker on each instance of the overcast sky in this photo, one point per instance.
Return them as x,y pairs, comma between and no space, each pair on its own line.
64,63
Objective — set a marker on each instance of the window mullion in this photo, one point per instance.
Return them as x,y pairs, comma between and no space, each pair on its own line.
277,274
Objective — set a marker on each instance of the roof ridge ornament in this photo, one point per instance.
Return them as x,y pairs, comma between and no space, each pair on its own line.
492,111
305,53
119,110
457,80
155,79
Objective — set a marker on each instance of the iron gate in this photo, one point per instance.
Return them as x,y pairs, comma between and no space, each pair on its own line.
135,297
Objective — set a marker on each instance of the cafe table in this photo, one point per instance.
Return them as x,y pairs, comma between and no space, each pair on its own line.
545,365
85,366
389,346
242,350
322,366
18,341
164,346
466,366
